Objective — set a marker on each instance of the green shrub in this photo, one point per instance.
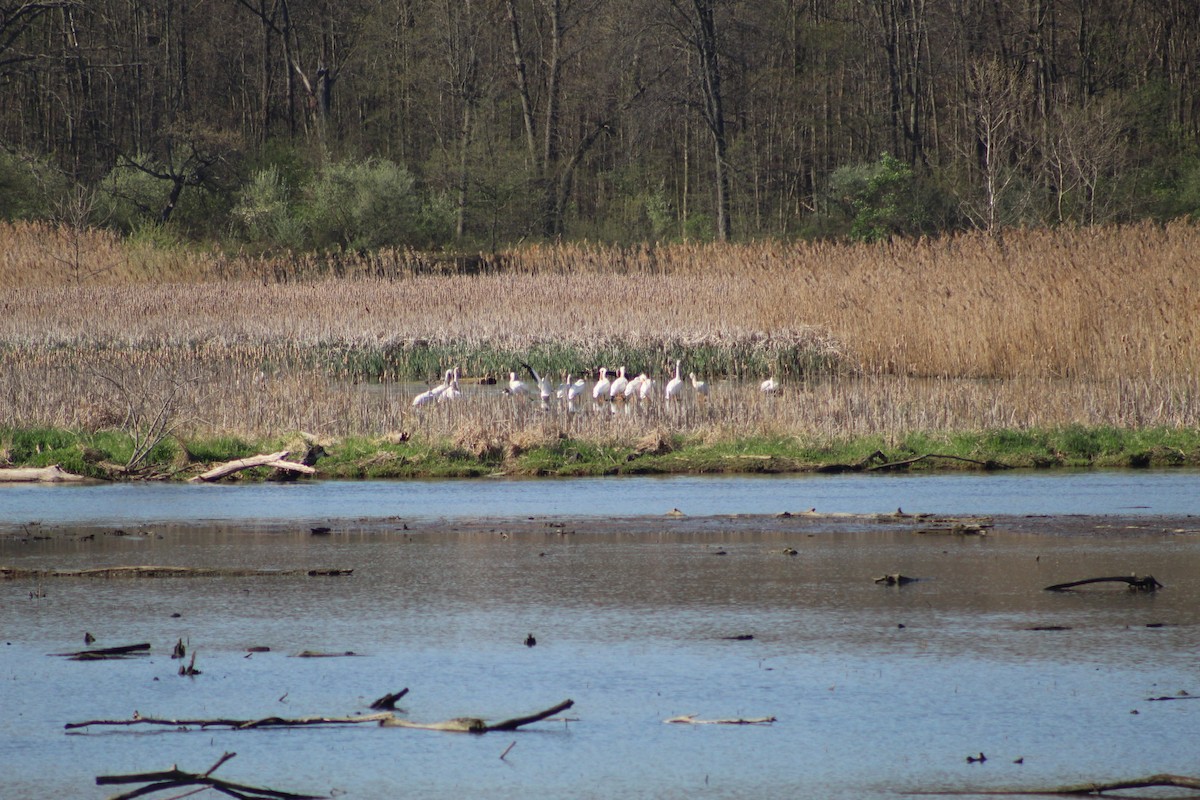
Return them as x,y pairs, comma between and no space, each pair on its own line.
29,187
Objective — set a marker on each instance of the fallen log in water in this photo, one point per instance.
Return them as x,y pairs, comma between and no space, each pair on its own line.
51,474
690,719
276,460
1136,584
1149,782
175,778
155,571
476,724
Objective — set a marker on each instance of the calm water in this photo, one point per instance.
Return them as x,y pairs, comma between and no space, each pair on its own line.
1084,492
879,692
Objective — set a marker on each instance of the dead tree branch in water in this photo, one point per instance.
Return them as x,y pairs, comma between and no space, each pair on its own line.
235,724
176,778
1136,584
385,719
477,725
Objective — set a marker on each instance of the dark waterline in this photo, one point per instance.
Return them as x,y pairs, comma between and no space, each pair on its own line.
1171,492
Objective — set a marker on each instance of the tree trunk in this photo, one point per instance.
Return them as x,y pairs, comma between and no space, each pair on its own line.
714,110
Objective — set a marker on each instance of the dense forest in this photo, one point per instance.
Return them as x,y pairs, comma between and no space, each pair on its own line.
329,124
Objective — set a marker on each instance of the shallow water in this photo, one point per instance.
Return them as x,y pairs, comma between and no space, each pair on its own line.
879,692
1173,492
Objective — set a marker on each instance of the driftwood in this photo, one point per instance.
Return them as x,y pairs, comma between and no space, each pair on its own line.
276,460
234,724
690,719
176,778
108,653
151,571
878,461
52,474
1150,781
1136,584
475,724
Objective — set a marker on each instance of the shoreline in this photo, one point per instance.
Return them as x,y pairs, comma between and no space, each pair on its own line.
106,455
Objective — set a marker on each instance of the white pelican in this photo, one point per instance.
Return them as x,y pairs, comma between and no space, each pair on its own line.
675,385
430,395
769,386
516,386
545,387
600,390
698,386
575,389
452,391
618,385
634,386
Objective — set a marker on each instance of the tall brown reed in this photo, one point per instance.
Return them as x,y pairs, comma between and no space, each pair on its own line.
1032,328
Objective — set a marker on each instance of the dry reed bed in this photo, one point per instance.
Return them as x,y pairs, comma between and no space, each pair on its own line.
92,390
1090,303
1032,329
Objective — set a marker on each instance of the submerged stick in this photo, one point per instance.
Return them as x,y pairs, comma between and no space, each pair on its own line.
1137,584
105,653
176,778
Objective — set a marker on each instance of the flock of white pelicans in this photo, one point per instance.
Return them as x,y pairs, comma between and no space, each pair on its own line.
608,388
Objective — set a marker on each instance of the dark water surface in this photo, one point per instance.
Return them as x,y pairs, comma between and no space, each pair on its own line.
879,692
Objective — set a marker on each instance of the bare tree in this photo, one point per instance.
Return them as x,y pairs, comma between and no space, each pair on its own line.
696,23
998,96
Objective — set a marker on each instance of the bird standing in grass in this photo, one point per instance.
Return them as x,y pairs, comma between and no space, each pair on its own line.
618,385
600,390
430,395
634,387
769,386
674,386
698,386
452,392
